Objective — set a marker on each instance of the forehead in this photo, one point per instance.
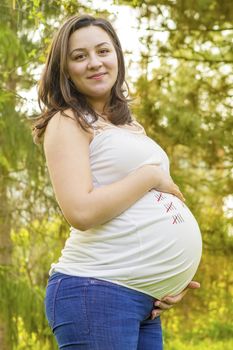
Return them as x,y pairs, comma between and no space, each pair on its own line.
88,37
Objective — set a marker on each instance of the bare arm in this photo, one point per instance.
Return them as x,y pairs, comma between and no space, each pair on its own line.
66,148
107,202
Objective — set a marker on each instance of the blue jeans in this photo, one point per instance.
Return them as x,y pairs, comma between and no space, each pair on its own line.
91,314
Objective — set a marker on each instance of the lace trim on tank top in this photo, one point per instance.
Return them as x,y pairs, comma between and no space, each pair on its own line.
100,125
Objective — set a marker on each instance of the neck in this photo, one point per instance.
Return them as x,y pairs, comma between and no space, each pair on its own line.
98,105
99,110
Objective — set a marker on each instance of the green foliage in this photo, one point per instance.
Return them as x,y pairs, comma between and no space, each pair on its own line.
185,105
177,344
23,284
31,254
19,298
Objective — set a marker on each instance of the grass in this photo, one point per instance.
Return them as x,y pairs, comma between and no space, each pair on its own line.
206,344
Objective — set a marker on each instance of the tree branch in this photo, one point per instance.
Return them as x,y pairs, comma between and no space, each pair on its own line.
189,29
194,59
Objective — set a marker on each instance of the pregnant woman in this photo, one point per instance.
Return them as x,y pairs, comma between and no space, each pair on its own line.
132,239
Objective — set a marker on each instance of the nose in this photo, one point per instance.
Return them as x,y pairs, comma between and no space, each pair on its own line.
94,62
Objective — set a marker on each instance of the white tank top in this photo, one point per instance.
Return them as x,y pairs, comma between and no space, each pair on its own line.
154,246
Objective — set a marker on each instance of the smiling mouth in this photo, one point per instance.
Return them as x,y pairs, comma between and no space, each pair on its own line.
97,76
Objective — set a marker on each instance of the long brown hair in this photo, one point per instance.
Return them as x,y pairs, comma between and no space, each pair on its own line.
58,93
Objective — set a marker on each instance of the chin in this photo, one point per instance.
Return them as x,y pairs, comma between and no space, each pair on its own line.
100,95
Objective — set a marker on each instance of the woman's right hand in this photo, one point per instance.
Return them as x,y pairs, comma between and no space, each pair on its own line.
168,302
164,182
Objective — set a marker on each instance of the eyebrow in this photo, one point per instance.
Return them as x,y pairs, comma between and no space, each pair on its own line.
84,49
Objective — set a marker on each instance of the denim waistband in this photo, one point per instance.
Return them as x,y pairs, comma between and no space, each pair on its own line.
56,276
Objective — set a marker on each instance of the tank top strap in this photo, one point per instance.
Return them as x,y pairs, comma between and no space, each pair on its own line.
141,128
98,126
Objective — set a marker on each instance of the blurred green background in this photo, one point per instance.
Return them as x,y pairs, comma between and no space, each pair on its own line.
180,74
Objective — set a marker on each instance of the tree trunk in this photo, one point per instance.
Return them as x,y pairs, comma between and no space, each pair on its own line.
5,260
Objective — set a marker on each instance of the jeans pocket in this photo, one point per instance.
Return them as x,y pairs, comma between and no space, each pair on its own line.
49,302
70,307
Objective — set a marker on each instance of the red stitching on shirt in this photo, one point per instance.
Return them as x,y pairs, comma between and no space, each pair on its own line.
159,196
177,219
169,207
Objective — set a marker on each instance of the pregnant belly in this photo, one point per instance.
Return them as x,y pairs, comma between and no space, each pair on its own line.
154,247
170,244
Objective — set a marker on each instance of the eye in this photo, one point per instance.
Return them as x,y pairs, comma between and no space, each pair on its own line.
80,57
104,52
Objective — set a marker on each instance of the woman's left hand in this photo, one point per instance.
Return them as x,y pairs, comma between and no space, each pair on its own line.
169,301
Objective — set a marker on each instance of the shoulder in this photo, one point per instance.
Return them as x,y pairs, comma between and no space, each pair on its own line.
64,124
63,118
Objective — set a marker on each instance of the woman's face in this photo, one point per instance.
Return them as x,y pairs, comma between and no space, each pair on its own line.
92,63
